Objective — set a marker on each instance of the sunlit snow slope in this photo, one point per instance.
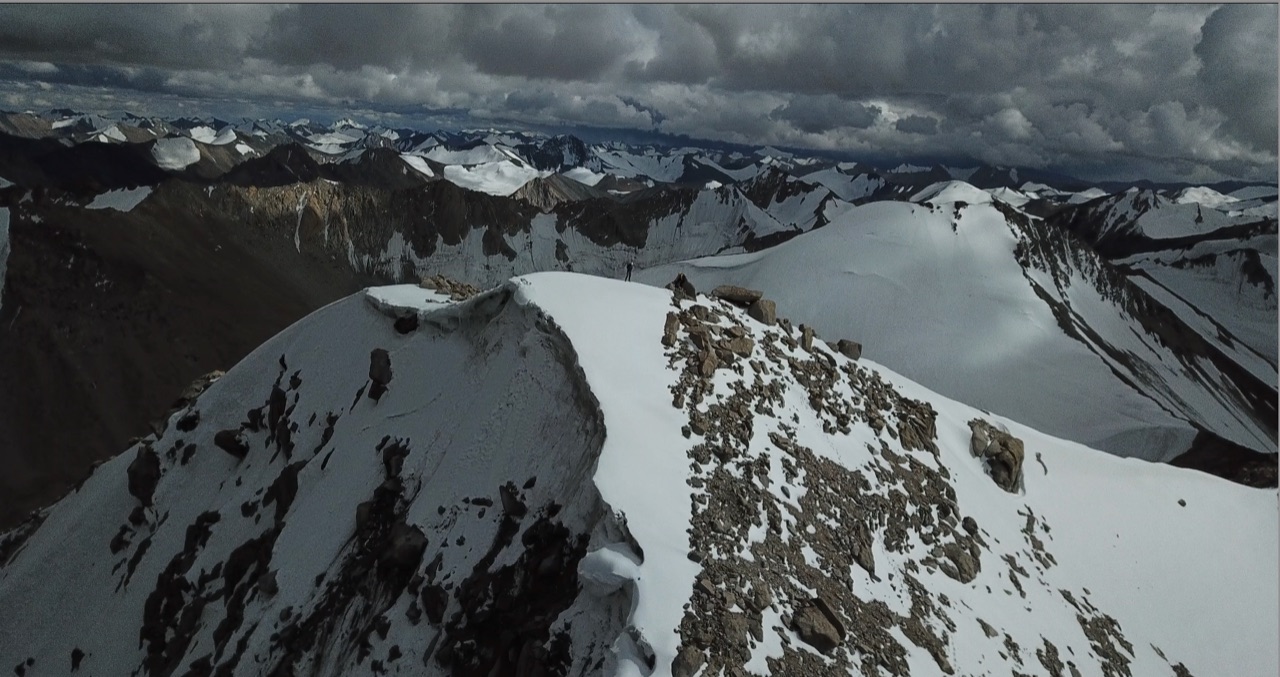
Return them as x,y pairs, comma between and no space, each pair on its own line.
985,304
569,475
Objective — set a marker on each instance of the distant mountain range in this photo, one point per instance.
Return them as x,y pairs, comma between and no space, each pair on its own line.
140,253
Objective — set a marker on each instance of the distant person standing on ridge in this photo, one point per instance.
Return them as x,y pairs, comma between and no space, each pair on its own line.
629,266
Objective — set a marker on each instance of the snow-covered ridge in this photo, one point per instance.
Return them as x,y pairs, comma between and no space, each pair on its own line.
594,476
881,271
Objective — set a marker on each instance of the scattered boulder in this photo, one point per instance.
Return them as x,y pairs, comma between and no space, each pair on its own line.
740,296
268,585
404,551
232,442
144,474
850,349
688,662
818,627
708,364
682,287
379,372
806,337
1003,453
741,346
763,311
670,329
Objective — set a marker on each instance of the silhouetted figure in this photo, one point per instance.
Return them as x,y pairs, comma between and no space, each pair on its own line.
630,265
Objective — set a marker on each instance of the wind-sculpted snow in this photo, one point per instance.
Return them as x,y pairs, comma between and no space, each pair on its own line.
567,475
984,304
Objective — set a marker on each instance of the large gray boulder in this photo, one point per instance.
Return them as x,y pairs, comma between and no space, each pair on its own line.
736,295
763,311
1002,452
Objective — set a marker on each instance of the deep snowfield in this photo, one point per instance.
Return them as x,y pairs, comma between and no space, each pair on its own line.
526,491
936,292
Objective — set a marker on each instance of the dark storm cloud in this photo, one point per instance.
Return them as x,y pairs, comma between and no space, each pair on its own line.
1180,88
1237,50
816,114
917,124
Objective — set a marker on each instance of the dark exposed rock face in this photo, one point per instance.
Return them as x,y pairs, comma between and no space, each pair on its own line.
1216,456
108,317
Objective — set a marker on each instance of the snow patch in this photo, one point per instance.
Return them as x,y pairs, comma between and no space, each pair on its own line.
175,153
584,176
418,164
123,200
495,178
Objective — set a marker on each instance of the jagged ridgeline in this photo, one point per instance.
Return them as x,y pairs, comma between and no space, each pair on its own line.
569,475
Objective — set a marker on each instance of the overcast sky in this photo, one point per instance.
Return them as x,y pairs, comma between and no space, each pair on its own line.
1101,91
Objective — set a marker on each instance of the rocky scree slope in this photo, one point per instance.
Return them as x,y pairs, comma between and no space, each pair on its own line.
569,475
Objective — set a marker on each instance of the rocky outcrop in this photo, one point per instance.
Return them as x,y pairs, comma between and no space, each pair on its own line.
1002,452
682,287
457,291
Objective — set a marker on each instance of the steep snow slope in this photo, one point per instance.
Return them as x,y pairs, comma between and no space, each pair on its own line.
513,488
848,187
418,164
1231,281
989,307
